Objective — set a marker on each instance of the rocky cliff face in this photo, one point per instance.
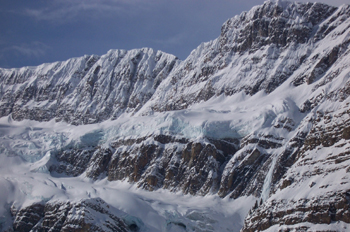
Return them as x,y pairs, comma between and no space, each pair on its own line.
84,215
257,50
261,111
162,161
84,90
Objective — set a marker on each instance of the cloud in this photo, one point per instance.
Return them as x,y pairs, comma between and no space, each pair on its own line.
35,49
172,40
62,11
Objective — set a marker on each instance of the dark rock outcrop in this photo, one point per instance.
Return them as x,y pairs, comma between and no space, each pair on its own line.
28,217
70,217
321,210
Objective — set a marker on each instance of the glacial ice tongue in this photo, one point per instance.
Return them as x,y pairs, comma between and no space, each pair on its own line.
33,140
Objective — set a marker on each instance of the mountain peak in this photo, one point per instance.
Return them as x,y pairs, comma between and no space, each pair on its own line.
288,10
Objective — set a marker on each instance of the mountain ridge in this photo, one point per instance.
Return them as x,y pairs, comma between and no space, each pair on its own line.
81,87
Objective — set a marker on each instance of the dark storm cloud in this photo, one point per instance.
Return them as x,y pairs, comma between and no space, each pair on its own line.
70,28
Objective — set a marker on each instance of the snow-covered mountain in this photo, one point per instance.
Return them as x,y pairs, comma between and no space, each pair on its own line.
251,132
87,89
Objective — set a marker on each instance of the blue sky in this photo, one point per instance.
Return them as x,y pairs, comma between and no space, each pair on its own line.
39,31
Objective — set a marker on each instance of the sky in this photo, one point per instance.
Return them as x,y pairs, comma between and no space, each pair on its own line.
41,31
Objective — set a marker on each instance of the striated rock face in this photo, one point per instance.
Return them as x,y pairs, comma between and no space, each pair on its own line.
84,215
28,217
84,90
321,210
315,188
154,162
257,50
